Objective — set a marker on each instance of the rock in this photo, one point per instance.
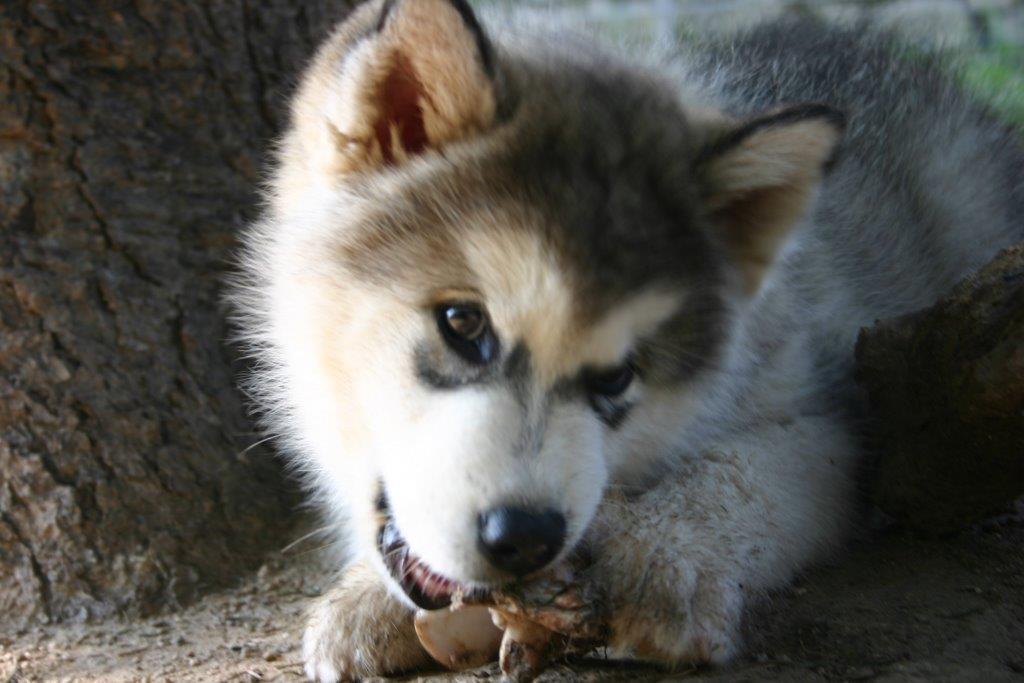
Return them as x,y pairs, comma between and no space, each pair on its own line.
945,388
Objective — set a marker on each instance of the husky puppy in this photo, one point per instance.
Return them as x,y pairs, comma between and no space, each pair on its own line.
517,296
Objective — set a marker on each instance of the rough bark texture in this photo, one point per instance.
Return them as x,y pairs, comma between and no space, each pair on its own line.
946,387
131,134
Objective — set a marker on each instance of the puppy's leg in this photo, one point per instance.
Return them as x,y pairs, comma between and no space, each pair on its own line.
679,562
358,629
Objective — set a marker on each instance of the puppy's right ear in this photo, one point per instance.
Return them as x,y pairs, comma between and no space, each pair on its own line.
758,179
418,75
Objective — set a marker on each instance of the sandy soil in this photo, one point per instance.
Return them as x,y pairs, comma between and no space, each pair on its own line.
896,608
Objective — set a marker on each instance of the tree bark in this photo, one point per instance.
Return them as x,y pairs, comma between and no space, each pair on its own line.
132,134
946,391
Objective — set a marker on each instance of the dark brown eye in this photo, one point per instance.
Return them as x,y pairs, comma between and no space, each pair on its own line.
610,383
605,390
467,322
467,330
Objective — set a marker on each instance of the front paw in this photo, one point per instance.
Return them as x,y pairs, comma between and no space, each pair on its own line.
358,629
673,596
686,617
639,600
665,610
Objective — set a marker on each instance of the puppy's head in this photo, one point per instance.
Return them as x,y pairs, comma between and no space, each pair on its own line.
501,279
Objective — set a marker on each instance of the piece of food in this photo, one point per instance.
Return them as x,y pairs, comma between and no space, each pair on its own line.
527,647
550,617
460,638
525,626
556,602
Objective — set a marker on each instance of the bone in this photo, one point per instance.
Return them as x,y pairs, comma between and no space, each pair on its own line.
462,638
534,623
526,648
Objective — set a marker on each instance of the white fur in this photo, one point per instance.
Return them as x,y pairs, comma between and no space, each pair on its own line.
711,493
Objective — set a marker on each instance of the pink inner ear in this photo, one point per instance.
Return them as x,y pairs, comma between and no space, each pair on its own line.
400,97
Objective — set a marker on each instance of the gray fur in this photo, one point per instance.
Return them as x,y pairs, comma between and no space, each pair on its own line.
744,405
927,186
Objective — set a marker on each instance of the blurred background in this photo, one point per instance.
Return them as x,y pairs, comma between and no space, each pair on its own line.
988,34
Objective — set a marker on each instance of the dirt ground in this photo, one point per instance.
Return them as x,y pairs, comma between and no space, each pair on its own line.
895,608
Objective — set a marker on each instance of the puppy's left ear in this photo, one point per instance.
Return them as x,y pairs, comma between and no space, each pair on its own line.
758,178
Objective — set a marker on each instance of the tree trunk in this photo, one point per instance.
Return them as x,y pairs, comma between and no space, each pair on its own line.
132,134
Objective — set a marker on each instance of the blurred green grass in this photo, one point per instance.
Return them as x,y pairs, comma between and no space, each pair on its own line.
993,70
996,74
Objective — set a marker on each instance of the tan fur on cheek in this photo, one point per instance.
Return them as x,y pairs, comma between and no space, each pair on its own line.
337,338
361,347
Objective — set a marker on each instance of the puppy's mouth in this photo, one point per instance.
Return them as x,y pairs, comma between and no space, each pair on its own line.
427,589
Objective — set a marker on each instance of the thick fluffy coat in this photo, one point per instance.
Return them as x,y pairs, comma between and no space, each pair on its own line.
508,268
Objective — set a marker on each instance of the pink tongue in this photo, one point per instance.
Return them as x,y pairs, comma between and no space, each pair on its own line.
433,585
429,582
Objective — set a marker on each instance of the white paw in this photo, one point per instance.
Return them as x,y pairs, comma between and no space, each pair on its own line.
672,596
331,647
358,630
697,623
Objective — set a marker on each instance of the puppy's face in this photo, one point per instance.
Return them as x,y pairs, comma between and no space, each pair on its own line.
502,303
491,402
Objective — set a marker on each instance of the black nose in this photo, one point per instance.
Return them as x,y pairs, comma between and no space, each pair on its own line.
520,541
